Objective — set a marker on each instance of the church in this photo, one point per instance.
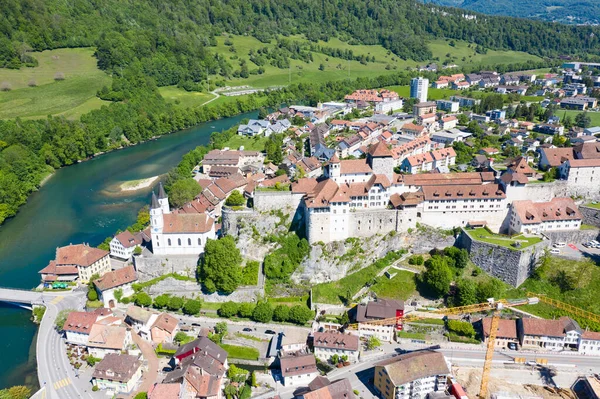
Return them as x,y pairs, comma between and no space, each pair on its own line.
175,233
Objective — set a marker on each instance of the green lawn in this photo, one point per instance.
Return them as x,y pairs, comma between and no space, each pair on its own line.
240,352
411,335
257,143
400,287
72,97
592,205
594,116
482,234
183,98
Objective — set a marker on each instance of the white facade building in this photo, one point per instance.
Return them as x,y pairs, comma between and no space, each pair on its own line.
120,279
298,369
105,339
589,343
327,344
178,233
418,88
536,217
582,176
124,244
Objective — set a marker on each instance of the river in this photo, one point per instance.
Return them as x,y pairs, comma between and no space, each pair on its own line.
79,203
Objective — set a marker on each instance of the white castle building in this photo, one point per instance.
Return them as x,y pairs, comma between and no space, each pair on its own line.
174,233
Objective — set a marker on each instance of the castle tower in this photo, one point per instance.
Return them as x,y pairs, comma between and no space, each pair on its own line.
156,214
334,167
381,160
163,200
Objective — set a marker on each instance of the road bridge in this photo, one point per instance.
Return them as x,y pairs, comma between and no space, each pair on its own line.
22,298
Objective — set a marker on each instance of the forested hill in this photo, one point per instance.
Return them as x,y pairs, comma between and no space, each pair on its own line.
564,11
171,37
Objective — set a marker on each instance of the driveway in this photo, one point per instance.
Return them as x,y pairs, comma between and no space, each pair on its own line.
149,377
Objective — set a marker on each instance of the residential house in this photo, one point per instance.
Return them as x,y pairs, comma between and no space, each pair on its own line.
120,279
278,127
77,327
460,85
531,217
413,130
509,79
141,320
165,391
473,78
379,318
440,84
292,340
117,374
506,336
448,105
371,96
489,151
589,343
546,128
448,122
123,244
554,157
496,114
205,347
520,165
548,334
76,262
465,101
231,159
254,127
298,368
443,157
327,344
411,375
164,328
106,339
425,107
321,387
387,106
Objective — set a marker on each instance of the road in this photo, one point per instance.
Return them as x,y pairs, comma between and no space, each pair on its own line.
54,370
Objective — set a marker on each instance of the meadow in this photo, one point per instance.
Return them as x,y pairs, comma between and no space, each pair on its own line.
35,93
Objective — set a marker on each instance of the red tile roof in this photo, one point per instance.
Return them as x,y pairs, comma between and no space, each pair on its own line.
116,278
380,150
128,240
352,166
166,322
336,340
80,322
451,192
506,328
187,223
530,212
79,255
298,364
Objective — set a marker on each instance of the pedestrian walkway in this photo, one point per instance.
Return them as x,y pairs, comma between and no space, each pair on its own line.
149,377
62,383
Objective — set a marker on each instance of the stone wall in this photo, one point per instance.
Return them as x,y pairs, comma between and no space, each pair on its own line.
367,223
232,220
274,200
571,237
591,216
509,265
151,266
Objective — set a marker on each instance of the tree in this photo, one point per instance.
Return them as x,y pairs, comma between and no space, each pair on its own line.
263,312
466,292
281,313
461,328
235,199
220,267
564,280
15,392
300,314
161,301
460,256
92,295
221,328
246,309
492,288
262,113
321,67
583,120
180,337
373,342
137,251
550,175
175,303
253,379
463,119
437,276
228,309
192,307
141,395
273,148
183,191
230,391
142,299
61,318
344,318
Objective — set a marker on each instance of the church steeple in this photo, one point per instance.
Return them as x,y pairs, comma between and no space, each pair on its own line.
161,191
154,204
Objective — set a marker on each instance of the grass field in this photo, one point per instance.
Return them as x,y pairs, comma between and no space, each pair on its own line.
336,68
257,143
71,97
240,352
594,116
482,234
400,287
183,98
592,205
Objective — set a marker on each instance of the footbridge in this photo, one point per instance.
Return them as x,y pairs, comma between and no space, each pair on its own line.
22,298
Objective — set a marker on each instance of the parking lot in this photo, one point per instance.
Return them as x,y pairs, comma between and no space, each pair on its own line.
577,251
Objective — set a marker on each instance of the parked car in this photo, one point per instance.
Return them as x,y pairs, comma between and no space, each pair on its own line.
270,332
247,329
512,346
555,251
587,244
560,245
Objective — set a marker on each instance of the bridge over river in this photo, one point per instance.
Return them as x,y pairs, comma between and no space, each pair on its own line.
23,298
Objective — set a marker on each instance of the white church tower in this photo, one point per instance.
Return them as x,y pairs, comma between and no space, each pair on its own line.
334,168
163,200
156,215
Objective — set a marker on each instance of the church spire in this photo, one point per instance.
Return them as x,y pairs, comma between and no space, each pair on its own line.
161,191
154,204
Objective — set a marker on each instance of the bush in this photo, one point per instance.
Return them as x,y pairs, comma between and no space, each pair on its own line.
462,328
246,309
91,360
300,314
281,263
416,260
250,273
235,199
192,307
161,301
228,309
175,303
263,312
92,295
142,299
281,313
141,395
181,337
95,388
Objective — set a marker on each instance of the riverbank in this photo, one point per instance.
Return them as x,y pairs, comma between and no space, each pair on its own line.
134,185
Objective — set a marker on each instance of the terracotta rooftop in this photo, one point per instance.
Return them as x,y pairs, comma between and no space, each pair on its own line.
336,340
352,166
298,364
108,337
547,328
116,367
128,240
116,278
79,255
164,391
166,322
584,163
452,192
556,156
187,223
380,150
319,389
80,322
304,185
530,212
506,328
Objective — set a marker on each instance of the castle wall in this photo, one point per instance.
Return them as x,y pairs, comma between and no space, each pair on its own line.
571,236
370,222
273,200
591,216
509,265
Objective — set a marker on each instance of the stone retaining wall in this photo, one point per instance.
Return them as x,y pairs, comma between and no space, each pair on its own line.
151,266
572,237
274,200
591,216
509,265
